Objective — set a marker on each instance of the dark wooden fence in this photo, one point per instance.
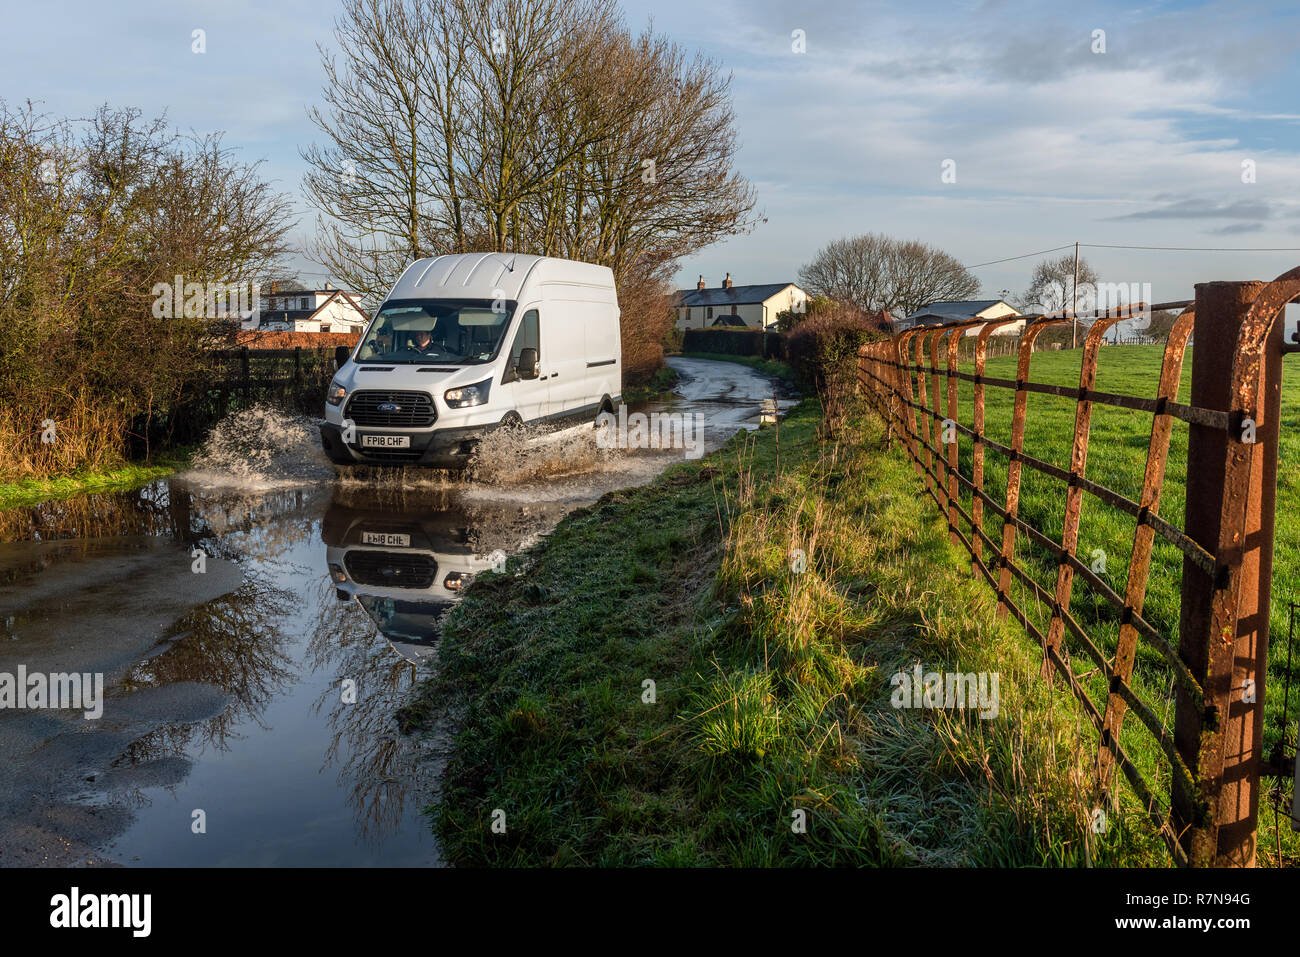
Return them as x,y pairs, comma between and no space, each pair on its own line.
293,380
1214,750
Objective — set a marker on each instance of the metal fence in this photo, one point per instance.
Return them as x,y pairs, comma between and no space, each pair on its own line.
1214,749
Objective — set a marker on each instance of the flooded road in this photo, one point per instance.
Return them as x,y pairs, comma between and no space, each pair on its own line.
258,623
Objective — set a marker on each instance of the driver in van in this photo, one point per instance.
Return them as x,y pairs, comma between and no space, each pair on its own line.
423,341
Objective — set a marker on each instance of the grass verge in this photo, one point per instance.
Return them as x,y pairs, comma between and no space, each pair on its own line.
664,379
29,492
655,685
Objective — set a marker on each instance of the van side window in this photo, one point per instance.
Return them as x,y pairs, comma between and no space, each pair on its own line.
526,338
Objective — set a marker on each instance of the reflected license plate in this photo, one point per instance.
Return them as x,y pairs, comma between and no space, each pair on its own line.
393,539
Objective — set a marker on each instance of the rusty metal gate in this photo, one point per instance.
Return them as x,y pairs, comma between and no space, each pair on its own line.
1214,749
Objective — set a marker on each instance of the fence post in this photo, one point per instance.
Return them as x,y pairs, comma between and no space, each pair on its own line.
1223,638
243,369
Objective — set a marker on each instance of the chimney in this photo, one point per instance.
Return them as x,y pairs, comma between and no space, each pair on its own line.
726,283
700,285
328,286
274,285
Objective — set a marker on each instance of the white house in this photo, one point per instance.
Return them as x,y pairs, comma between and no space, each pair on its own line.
310,310
745,307
938,313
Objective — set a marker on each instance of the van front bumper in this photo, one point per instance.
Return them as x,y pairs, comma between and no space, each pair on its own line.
439,449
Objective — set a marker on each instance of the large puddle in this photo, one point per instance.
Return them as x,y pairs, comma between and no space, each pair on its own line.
259,622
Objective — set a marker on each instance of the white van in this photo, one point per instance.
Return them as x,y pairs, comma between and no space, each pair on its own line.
465,344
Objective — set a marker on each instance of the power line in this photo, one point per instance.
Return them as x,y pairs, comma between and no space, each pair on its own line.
1201,249
1204,249
1041,252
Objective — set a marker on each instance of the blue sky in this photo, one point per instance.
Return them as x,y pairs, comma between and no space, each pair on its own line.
1140,145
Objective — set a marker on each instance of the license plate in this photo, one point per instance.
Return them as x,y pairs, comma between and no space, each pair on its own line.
385,441
394,539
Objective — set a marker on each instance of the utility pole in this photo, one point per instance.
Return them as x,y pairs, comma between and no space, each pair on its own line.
1074,312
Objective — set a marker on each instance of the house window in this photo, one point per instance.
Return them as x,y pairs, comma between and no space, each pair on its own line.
304,302
325,327
733,308
710,315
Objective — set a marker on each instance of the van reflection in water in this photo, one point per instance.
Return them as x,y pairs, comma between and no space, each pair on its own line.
404,566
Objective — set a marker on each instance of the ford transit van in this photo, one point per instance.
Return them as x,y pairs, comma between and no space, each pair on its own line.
469,343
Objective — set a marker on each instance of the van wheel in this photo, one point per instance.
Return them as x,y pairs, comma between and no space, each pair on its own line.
605,406
511,420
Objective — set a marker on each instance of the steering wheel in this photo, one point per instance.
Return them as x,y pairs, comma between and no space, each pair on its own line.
417,354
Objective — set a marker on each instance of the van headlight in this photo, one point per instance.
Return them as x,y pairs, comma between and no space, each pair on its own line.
468,395
336,394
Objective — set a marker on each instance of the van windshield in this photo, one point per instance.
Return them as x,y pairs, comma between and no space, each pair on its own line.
436,331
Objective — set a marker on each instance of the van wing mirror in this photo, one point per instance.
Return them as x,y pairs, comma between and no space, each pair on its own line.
526,367
341,354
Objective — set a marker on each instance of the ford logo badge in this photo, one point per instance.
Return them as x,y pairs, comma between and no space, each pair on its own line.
389,407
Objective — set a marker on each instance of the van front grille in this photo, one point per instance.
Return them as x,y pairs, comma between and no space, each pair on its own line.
409,410
391,569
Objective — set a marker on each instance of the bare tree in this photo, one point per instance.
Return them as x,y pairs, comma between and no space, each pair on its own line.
661,176
1052,287
537,126
528,58
1160,324
875,272
377,181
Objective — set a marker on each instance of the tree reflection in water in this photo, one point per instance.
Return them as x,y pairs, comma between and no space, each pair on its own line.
381,766
364,635
237,642
254,643
233,643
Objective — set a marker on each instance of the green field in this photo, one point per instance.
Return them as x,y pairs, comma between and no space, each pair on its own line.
1117,459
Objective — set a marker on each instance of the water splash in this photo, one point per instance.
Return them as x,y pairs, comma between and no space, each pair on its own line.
261,448
527,453
531,466
397,478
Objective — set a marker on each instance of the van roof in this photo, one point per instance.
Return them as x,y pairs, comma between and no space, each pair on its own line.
489,275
